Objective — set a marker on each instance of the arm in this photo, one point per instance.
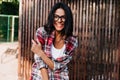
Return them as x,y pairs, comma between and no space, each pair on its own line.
41,66
44,74
36,48
51,64
40,40
55,65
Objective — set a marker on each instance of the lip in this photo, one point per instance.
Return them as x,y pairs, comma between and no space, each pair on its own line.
59,26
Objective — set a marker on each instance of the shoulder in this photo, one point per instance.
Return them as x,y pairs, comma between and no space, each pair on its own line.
41,35
73,40
41,31
71,44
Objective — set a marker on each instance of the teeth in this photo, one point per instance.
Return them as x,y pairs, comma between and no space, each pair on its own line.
59,25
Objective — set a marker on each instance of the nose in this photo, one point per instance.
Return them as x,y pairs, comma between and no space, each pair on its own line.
60,20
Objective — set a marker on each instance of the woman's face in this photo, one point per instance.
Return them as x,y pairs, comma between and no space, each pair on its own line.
59,19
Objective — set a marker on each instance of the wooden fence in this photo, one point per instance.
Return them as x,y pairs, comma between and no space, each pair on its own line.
97,25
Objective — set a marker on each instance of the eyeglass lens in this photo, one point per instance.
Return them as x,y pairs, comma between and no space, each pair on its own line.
57,17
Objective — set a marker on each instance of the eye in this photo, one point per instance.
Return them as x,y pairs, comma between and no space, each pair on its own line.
56,17
63,16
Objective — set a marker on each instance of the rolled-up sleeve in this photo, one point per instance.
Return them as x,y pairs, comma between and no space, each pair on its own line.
61,64
39,62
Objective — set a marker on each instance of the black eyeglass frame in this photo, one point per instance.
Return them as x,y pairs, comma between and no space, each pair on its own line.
57,17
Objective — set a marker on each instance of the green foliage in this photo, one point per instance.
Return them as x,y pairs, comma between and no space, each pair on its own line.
10,8
6,29
3,29
16,29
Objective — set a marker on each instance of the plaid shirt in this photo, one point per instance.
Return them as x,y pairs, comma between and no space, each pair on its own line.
60,71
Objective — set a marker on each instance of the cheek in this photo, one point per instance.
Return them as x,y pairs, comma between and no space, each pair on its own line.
54,24
58,24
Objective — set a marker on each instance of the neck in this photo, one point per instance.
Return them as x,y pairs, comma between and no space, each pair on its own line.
59,40
57,33
57,36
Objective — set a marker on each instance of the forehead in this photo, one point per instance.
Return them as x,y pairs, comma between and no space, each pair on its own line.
60,12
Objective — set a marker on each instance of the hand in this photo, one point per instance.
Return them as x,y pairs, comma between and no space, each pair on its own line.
36,47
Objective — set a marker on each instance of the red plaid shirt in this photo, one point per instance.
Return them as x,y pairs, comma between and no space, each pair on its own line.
60,71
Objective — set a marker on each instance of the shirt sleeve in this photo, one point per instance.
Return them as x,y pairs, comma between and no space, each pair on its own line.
58,65
40,35
39,63
63,61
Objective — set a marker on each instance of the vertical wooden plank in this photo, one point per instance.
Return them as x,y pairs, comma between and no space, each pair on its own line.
77,33
88,32
26,37
27,44
30,20
47,6
74,30
20,39
36,15
111,40
97,35
23,41
117,25
31,35
43,18
41,21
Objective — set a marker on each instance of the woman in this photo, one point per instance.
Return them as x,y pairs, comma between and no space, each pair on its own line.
55,45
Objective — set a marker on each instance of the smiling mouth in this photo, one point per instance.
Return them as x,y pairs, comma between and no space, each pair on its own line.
59,26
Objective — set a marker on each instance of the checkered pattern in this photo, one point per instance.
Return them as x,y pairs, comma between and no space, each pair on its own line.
60,71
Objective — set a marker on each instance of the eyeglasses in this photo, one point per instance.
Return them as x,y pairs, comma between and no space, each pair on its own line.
57,17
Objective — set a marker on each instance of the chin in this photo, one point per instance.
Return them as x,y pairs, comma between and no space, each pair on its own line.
59,29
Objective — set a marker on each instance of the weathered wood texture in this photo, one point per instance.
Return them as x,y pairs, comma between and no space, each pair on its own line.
97,25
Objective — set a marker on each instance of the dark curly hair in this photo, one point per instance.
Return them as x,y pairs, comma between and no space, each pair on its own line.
68,25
